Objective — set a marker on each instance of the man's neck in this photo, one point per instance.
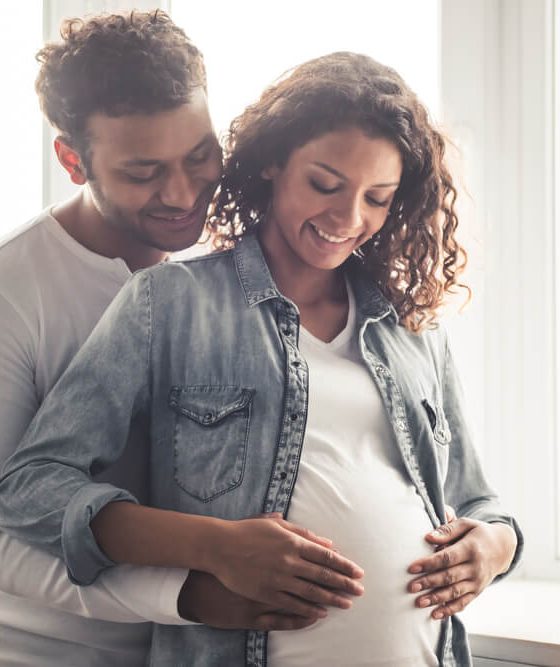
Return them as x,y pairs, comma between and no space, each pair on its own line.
83,222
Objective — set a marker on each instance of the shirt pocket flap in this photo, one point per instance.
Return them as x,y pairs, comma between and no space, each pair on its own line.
209,405
438,422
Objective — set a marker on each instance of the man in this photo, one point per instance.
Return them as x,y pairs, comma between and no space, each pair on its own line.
127,95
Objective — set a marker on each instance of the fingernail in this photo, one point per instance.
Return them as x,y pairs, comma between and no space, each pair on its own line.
322,613
424,602
416,588
438,532
437,615
415,569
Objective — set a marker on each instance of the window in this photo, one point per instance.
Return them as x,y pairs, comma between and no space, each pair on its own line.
20,117
248,43
487,70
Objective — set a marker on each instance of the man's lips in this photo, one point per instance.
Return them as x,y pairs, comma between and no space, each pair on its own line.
178,216
171,217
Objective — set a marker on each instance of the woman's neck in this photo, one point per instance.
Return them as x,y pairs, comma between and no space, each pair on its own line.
320,295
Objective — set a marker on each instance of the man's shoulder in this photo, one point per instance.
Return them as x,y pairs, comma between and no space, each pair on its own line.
30,257
23,247
30,233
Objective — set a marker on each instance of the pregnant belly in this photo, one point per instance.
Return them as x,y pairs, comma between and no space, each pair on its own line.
378,520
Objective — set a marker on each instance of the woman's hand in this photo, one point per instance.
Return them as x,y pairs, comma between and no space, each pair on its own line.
277,563
469,555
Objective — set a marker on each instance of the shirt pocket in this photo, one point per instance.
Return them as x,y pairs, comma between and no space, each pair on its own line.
210,438
441,433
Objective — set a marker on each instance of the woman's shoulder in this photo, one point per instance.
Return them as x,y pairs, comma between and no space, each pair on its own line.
181,274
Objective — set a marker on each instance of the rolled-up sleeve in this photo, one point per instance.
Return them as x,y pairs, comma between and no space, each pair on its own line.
47,496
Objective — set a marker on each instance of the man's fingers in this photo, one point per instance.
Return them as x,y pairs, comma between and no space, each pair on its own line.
280,622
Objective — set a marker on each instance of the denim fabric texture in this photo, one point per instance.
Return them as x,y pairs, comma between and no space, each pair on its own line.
207,350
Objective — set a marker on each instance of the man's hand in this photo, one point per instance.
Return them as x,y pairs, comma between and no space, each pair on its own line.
204,599
277,563
470,554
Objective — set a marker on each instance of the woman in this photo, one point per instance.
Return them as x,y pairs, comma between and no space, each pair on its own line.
297,372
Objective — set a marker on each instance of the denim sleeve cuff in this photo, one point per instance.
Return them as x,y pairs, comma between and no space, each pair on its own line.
519,547
84,559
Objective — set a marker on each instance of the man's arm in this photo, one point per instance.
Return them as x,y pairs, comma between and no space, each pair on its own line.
129,594
125,594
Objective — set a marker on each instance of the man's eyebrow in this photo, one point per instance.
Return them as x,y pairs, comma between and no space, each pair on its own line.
339,174
151,162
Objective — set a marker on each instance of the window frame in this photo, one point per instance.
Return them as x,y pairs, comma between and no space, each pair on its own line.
503,105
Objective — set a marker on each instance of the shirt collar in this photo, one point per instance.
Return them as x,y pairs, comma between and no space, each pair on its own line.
258,285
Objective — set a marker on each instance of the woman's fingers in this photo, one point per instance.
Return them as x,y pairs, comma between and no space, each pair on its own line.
453,607
317,594
326,577
302,532
292,604
442,579
330,560
450,532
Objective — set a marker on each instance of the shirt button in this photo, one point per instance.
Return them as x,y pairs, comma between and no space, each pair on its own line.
208,417
287,331
283,475
296,364
401,425
293,416
380,370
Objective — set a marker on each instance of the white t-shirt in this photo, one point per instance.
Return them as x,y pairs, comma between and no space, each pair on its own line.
352,488
52,293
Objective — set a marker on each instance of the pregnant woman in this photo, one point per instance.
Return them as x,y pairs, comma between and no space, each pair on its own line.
300,371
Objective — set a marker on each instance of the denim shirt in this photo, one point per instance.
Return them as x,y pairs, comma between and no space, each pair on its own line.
207,350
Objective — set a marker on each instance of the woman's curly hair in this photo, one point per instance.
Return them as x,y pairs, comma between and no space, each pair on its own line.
115,64
415,258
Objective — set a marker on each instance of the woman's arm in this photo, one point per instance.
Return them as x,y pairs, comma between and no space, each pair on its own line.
479,547
47,496
266,559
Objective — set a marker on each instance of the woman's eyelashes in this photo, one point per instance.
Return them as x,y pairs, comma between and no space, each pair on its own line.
325,190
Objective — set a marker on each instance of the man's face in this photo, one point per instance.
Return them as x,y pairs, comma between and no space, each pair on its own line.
153,176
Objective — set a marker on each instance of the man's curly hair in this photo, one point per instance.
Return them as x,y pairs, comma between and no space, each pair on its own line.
415,259
115,64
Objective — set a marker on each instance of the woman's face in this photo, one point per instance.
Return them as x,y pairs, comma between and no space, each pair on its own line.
331,196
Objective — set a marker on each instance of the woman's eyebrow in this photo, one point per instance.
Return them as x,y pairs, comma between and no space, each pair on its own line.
339,174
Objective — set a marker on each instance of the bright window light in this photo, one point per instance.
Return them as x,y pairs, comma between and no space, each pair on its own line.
249,43
20,117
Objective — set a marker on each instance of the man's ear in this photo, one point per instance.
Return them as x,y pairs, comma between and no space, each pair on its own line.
70,160
268,173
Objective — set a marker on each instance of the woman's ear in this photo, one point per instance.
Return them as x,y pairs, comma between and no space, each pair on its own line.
70,160
270,172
